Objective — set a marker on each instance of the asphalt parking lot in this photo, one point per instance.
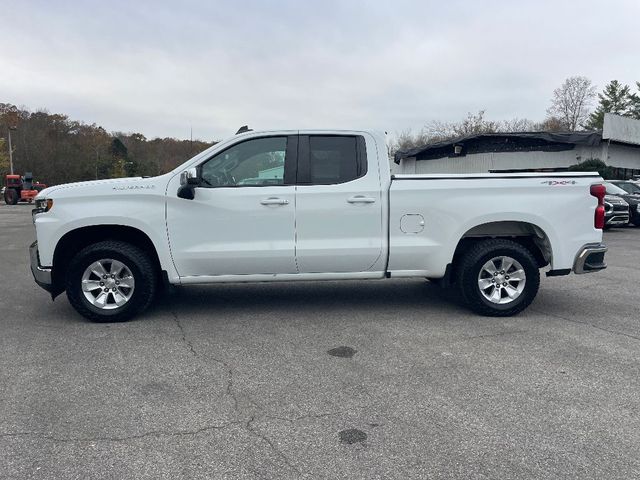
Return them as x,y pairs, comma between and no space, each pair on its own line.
236,381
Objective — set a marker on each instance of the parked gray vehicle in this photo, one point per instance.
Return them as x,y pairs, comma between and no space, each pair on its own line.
616,209
631,195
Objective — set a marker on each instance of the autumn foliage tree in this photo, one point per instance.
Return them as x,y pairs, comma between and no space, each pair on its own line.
58,149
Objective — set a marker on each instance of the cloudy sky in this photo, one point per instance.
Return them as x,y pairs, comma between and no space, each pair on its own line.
160,67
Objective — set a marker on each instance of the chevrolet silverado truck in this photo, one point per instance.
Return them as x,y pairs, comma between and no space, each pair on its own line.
313,205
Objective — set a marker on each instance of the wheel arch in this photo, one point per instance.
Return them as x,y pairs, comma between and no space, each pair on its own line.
529,235
79,238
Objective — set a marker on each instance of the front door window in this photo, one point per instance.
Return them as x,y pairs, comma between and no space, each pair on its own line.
258,162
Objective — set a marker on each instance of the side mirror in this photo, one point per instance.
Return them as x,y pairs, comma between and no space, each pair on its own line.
188,192
188,182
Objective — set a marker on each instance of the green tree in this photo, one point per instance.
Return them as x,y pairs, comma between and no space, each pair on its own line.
634,107
4,158
593,165
616,98
119,153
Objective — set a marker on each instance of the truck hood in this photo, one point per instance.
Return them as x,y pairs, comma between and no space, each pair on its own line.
102,187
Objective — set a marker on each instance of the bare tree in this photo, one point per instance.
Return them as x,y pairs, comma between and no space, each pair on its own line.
472,124
517,125
551,124
572,101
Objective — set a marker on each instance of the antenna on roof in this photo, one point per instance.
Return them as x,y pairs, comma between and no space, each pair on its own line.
244,129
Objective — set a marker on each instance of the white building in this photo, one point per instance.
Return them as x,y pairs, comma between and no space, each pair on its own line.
618,145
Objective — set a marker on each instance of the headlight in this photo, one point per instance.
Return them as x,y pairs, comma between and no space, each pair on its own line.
42,205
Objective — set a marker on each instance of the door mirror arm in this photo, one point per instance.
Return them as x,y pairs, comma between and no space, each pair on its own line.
189,180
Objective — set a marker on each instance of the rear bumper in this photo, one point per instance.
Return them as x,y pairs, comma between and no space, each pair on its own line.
42,275
590,258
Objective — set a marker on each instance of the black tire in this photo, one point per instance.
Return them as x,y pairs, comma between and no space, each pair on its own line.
136,260
10,196
469,268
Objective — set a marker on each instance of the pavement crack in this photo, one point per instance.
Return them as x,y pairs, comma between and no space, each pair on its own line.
17,434
272,446
153,433
229,388
183,334
614,332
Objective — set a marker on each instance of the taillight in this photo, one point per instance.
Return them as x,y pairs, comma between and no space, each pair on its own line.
599,191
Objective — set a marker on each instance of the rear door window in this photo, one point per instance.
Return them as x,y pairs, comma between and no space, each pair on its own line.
332,159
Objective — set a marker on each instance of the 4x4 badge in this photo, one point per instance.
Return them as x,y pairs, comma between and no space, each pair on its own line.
559,182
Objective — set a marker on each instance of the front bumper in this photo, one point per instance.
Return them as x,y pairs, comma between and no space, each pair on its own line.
42,275
590,258
617,219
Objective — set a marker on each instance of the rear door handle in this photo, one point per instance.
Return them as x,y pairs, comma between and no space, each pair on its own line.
361,199
274,201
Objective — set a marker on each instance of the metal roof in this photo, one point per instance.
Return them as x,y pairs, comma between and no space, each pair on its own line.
621,129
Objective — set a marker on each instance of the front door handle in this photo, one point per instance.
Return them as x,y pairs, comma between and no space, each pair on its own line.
361,199
274,201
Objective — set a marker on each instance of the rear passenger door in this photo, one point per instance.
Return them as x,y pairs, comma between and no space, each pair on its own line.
338,205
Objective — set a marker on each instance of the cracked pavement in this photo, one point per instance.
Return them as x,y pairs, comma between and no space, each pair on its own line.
234,381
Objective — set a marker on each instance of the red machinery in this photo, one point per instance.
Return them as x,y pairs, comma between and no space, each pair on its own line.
21,189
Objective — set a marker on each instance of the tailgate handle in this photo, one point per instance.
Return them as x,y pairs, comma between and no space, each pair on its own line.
274,201
361,199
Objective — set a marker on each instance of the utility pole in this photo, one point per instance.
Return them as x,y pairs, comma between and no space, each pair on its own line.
97,160
11,150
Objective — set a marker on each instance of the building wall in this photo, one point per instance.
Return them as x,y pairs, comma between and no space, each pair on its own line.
623,156
620,156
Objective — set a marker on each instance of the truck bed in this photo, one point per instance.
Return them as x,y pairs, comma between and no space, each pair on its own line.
428,214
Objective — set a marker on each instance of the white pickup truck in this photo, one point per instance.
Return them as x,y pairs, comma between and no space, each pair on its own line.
312,205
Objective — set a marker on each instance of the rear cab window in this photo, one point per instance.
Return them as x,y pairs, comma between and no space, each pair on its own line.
331,159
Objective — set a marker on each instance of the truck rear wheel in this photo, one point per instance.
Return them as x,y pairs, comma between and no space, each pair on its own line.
498,278
10,196
111,281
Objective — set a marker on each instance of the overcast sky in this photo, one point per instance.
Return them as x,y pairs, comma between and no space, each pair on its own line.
160,67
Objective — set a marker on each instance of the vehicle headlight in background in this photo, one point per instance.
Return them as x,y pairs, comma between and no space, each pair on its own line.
43,205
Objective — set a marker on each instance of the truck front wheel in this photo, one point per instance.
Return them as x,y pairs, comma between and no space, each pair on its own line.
111,281
498,277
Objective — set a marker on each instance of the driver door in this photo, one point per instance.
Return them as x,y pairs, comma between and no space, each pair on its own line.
241,220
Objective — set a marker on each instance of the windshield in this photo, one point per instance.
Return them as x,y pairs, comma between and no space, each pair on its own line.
613,190
629,187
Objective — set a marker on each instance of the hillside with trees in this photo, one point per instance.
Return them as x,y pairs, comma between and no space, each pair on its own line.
58,149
